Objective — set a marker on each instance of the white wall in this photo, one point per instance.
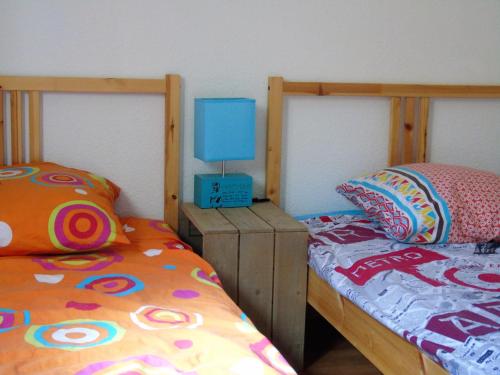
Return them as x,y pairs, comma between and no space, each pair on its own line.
228,48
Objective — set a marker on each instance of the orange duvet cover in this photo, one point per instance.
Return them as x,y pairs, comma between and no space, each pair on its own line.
151,307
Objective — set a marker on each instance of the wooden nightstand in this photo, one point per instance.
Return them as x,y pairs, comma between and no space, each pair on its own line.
260,255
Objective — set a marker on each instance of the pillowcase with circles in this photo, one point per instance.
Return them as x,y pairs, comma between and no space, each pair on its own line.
46,208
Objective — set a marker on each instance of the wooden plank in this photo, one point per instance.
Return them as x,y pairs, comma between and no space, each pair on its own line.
389,352
80,84
290,280
274,135
256,257
16,128
390,90
408,130
245,220
208,221
339,358
395,125
289,295
219,244
277,218
34,124
385,347
221,251
188,233
423,122
172,149
2,128
332,306
255,278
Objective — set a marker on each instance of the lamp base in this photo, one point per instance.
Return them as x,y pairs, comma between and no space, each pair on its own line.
213,190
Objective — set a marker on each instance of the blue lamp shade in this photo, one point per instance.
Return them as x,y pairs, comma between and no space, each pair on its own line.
224,129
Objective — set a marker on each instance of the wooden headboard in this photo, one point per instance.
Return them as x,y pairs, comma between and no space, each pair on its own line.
408,118
169,87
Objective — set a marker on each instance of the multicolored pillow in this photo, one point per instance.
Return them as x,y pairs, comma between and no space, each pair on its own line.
47,208
430,203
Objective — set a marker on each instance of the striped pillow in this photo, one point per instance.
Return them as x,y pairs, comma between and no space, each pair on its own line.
430,203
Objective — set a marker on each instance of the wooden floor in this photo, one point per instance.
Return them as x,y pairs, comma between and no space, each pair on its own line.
341,359
328,353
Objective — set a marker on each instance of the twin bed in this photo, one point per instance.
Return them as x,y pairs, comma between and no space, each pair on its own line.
410,309
146,304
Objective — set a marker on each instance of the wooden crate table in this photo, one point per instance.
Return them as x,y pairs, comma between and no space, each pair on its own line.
260,255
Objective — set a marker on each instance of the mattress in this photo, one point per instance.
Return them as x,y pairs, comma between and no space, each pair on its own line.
445,299
151,307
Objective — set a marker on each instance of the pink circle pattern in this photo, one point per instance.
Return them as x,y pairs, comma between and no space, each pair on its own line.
183,344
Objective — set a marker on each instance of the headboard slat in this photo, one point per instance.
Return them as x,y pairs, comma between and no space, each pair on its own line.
16,127
395,125
389,89
423,121
83,84
34,126
2,128
172,149
408,130
274,135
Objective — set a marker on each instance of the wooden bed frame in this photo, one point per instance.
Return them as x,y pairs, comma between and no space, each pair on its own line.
390,353
169,87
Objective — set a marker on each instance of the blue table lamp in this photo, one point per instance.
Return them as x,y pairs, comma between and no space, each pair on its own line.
224,130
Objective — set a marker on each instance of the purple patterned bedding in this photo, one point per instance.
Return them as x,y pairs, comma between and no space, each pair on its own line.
443,298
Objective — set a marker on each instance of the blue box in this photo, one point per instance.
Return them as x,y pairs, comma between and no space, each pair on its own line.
213,190
224,129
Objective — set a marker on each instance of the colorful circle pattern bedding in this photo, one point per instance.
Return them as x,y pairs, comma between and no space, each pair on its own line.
149,307
47,208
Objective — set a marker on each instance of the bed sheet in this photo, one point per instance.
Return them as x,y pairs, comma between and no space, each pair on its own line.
443,298
151,307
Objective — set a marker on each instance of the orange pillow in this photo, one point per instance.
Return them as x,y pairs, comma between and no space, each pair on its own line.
46,208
